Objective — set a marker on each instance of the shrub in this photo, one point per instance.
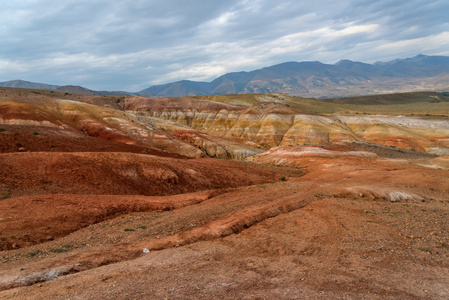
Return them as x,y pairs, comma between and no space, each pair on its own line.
58,250
32,253
5,197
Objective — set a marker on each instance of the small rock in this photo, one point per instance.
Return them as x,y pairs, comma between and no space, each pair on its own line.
146,250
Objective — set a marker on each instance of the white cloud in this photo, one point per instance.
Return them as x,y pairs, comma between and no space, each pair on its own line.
428,43
7,66
196,73
356,29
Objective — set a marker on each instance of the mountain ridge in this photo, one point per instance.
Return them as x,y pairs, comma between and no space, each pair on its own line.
310,79
320,80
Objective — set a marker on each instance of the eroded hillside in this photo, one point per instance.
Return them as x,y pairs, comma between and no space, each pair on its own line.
199,127
124,197
271,123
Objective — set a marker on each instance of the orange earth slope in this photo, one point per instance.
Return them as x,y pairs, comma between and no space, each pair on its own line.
100,200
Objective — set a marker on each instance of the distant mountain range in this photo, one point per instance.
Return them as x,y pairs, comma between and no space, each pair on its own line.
76,89
315,79
306,79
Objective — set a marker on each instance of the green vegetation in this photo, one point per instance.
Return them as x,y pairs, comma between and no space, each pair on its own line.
134,229
423,249
5,196
419,104
64,248
58,250
32,253
393,214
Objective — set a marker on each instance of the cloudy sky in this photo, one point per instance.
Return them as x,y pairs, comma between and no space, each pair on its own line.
133,44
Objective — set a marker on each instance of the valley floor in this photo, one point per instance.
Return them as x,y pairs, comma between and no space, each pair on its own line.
344,227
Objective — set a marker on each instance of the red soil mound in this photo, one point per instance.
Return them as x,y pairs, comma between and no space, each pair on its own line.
121,174
22,138
29,220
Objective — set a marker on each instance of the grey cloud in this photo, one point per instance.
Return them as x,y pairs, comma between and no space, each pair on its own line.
132,44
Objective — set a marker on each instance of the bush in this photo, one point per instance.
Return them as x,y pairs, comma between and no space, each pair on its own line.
4,197
58,250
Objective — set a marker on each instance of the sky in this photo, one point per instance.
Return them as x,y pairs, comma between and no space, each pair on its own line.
130,45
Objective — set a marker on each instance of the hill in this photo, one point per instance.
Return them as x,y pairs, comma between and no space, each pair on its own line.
28,85
65,88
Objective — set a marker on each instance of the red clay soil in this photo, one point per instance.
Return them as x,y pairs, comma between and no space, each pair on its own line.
337,232
121,174
48,214
84,218
30,220
25,138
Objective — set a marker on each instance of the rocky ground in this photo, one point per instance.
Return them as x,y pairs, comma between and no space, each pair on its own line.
104,218
349,227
